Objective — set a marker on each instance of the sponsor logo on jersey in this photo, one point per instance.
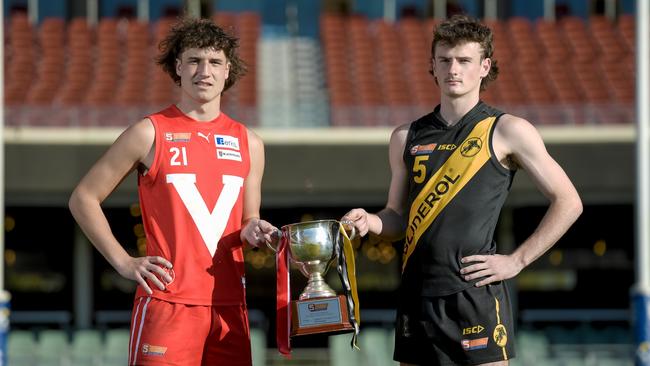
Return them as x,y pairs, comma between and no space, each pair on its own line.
317,307
423,149
150,350
440,189
228,155
178,136
225,141
206,137
473,330
447,147
500,335
474,344
471,147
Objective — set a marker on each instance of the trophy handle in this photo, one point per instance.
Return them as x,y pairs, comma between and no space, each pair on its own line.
348,224
275,238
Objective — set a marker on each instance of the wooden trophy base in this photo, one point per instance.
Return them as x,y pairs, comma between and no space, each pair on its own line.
320,315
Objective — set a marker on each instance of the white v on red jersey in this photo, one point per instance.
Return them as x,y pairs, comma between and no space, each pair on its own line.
192,205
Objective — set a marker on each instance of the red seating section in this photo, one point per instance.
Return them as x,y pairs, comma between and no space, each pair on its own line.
566,71
377,73
104,74
20,64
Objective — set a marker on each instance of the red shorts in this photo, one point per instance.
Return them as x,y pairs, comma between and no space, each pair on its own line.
164,333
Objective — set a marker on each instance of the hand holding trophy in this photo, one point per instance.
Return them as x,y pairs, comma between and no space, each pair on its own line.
312,246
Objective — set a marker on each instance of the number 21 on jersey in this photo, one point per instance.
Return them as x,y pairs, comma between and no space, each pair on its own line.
179,156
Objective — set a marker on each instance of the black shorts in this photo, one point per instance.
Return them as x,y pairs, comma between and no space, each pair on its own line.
470,327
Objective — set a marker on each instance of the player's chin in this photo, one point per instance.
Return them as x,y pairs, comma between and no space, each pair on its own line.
454,93
205,96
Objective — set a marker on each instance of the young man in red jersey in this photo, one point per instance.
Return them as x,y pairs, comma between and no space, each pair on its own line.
199,182
451,173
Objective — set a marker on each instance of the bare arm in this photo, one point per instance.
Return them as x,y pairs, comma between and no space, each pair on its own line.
517,140
390,222
255,231
131,148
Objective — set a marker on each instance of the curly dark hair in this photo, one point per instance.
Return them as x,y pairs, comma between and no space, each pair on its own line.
199,33
459,29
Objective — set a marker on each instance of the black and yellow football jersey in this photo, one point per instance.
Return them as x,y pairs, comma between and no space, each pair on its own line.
456,191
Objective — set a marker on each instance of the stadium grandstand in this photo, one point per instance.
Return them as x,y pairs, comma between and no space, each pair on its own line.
327,81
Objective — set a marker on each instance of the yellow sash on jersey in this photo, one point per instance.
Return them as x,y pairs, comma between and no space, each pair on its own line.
443,186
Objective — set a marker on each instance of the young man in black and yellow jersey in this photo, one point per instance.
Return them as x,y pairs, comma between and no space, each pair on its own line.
451,171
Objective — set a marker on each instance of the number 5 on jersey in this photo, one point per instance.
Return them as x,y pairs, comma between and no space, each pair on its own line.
419,168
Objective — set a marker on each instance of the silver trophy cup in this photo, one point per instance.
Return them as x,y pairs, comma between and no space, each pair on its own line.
312,248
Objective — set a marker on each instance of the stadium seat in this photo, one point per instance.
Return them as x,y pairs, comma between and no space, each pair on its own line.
107,68
53,347
534,343
132,87
553,46
340,352
333,38
562,82
606,37
414,35
526,45
77,75
116,348
20,348
583,48
626,28
86,347
258,346
51,34
389,63
21,63
162,90
376,348
249,33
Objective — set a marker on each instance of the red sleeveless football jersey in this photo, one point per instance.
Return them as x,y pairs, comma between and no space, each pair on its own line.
192,205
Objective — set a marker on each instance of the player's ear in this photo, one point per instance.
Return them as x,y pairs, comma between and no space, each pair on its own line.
486,64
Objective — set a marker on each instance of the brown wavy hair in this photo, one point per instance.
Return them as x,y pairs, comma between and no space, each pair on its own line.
460,29
199,33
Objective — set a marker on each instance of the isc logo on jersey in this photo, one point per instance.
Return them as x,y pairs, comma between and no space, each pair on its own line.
225,141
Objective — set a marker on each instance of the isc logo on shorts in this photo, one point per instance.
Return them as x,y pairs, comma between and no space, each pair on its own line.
473,330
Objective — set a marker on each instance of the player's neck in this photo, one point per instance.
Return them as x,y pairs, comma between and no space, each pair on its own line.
202,112
453,109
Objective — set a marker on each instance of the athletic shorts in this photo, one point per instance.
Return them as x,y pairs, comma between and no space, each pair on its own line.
164,333
470,327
